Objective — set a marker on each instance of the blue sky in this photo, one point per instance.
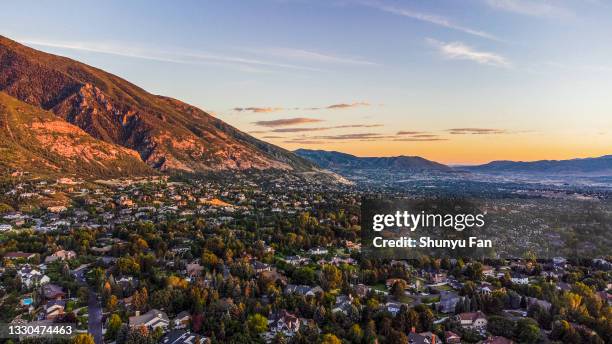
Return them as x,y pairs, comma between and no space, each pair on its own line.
454,81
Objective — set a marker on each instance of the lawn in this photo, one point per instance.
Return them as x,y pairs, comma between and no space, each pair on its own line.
444,287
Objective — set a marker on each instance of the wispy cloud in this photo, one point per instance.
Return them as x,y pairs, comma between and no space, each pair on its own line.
355,136
357,126
403,132
313,56
421,139
430,18
476,131
305,141
297,130
270,109
461,51
535,8
258,109
346,106
287,122
174,56
417,136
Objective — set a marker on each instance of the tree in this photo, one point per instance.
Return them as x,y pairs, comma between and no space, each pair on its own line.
398,288
331,277
83,338
304,275
114,324
257,323
527,331
500,326
356,333
112,303
330,339
474,272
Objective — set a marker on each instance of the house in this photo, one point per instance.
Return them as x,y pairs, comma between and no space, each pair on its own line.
53,292
60,255
317,251
437,277
260,267
54,309
393,307
415,338
182,320
284,322
484,289
296,260
452,338
303,290
182,337
19,255
472,320
519,279
559,262
151,319
194,270
127,282
430,337
448,301
488,271
343,304
31,277
337,261
545,305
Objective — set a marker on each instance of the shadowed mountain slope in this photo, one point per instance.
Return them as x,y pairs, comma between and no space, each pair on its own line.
167,134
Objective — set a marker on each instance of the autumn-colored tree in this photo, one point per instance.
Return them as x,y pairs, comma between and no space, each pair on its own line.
356,333
257,323
83,338
114,324
112,303
331,277
330,339
177,282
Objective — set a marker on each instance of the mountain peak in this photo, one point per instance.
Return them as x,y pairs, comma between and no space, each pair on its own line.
167,134
337,160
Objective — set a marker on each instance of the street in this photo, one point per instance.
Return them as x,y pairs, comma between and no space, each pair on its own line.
95,318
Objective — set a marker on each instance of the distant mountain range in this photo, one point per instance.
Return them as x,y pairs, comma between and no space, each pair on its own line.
69,117
599,165
336,161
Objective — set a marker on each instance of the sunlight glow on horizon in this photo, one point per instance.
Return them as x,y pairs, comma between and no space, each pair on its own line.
531,82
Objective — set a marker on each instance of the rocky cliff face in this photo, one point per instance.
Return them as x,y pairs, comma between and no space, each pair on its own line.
167,134
37,141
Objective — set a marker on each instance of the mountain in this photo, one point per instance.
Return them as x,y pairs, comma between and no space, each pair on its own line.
165,133
599,165
340,161
37,140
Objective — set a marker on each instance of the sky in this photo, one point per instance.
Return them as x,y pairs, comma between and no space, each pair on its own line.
459,82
